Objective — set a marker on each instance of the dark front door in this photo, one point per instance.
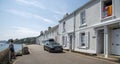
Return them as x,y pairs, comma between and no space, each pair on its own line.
101,41
71,40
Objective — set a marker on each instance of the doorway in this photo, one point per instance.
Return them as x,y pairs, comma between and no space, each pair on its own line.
100,43
71,41
115,42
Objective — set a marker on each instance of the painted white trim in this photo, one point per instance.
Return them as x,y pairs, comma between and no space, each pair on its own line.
101,7
88,39
85,51
101,24
87,36
96,33
109,17
105,28
99,28
106,39
107,22
113,11
82,47
113,8
81,25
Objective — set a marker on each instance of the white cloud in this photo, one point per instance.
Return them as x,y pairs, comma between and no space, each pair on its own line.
27,31
44,19
21,32
29,15
58,12
40,5
20,13
32,3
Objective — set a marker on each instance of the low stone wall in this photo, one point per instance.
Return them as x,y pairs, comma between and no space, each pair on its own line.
4,57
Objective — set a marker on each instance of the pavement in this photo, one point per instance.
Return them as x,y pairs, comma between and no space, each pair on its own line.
39,56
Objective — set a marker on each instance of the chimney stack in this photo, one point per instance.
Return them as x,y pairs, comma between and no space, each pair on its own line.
49,28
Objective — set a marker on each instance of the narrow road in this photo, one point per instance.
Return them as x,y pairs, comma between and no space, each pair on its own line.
39,56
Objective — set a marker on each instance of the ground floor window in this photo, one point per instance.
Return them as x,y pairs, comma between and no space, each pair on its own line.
82,39
64,40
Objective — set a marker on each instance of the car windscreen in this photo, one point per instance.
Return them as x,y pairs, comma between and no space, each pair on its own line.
54,43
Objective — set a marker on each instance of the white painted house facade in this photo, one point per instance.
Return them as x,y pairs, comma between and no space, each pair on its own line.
51,33
93,28
66,31
40,38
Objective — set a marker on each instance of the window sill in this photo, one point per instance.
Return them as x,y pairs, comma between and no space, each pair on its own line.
83,25
64,45
63,31
106,18
82,47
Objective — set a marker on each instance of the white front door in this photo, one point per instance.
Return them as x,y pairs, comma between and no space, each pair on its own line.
115,42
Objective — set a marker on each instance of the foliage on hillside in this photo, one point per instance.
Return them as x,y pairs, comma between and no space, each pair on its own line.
30,40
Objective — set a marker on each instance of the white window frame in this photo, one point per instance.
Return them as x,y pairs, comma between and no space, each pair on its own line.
64,38
80,43
87,40
102,16
83,18
82,39
64,26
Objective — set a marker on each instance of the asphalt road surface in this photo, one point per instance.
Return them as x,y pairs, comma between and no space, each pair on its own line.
39,56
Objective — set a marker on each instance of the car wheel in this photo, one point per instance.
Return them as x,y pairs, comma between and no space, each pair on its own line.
45,48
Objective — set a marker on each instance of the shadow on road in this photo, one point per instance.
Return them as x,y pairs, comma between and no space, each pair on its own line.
57,52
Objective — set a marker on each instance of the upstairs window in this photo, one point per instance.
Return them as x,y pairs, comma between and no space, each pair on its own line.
83,17
63,26
107,8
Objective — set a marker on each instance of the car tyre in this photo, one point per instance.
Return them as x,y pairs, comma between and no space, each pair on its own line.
44,49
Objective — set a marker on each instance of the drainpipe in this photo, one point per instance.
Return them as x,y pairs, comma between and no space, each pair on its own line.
113,9
74,32
106,41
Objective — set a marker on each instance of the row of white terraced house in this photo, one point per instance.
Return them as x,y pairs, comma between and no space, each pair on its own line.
93,28
51,33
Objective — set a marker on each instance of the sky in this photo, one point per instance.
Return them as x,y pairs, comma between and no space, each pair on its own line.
26,18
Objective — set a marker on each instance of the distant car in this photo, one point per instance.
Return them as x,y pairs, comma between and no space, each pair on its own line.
49,40
52,46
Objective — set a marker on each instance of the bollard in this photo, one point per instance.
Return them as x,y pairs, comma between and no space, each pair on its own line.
25,49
